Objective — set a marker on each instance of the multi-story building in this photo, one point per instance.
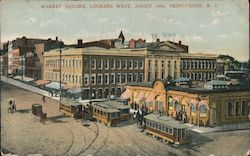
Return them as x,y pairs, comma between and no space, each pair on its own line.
18,60
105,71
34,60
20,46
163,60
198,67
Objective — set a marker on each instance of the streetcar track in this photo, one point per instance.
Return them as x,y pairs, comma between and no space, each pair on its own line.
104,143
83,150
72,141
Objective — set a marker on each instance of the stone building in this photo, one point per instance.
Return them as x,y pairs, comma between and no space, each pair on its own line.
105,71
197,106
199,66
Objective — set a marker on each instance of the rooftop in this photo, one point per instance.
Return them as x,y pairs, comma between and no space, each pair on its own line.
165,120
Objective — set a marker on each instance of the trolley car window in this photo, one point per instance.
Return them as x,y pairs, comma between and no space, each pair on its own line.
179,132
170,130
150,123
156,126
147,122
182,133
166,129
160,127
153,124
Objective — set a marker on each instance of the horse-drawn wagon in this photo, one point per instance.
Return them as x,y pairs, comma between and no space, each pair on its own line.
11,106
37,112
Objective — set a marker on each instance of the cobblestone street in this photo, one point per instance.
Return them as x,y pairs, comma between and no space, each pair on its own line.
22,134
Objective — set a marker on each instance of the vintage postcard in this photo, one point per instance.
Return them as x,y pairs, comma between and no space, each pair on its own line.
127,77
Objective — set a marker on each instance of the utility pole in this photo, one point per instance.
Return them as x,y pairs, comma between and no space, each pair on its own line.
90,80
22,61
60,70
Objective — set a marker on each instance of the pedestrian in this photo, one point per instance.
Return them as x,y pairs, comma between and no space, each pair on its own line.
43,99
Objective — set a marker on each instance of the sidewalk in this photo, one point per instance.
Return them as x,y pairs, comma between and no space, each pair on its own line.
28,87
222,128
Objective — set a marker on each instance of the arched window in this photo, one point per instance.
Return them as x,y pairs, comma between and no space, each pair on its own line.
192,108
203,109
176,106
170,102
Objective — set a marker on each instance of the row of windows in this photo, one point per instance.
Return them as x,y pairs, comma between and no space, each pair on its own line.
199,75
113,115
198,64
162,64
237,108
64,62
68,78
113,78
112,64
162,75
159,127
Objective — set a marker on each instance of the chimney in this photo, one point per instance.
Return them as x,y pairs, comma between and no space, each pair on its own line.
157,40
179,42
56,38
79,42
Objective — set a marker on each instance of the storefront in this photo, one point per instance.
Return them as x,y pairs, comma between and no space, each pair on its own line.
197,106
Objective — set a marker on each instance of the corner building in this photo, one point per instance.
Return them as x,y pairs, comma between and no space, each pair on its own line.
105,71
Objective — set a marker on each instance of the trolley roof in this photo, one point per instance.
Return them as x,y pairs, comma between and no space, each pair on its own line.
165,120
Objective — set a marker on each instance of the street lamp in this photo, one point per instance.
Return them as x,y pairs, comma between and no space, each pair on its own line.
60,61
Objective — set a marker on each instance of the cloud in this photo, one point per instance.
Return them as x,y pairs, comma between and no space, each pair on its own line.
219,13
102,20
30,20
221,36
215,21
48,22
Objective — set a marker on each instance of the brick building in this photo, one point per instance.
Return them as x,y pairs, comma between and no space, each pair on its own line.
104,70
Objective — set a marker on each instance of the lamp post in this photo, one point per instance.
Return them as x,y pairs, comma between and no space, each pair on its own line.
60,70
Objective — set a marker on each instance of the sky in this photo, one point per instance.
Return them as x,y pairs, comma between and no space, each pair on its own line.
207,26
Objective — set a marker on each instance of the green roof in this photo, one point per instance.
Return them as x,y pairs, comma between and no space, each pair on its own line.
70,102
112,105
165,120
141,84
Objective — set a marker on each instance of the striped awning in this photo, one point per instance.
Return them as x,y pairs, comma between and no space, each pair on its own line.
126,94
140,96
149,98
41,82
177,98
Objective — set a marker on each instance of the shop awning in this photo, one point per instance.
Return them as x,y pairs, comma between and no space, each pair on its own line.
66,87
41,82
54,85
140,96
27,79
149,98
18,77
126,94
75,90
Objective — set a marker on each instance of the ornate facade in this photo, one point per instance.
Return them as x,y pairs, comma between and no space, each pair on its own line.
197,106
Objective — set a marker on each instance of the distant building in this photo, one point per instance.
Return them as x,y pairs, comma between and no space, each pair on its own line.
21,46
198,67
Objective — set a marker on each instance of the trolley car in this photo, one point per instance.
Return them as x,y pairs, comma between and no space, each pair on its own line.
110,112
71,108
166,128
